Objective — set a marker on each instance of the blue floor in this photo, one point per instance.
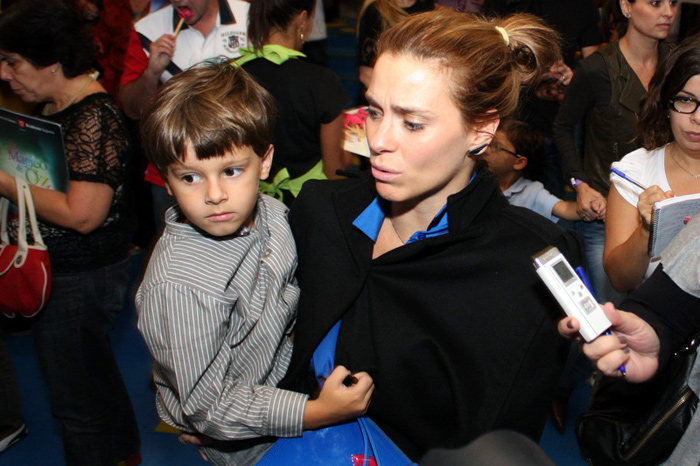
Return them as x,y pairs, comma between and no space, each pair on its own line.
42,447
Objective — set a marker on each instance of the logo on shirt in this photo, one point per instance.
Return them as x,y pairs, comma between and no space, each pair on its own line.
233,40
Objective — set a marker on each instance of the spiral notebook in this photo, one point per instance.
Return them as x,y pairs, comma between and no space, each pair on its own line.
668,218
32,148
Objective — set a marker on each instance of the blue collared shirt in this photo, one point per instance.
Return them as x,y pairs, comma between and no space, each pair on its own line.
371,219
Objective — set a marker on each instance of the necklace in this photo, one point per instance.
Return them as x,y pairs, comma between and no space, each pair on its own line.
396,231
88,79
684,169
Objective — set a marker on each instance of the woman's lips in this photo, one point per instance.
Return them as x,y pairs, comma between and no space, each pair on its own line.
382,174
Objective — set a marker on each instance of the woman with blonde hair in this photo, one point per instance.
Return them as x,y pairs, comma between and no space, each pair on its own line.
421,274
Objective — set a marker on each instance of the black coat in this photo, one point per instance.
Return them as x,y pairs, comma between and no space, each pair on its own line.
461,336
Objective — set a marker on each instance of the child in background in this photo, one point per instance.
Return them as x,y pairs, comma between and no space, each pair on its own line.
218,300
510,157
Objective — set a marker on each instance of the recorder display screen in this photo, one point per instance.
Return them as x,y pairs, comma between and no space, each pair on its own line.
563,271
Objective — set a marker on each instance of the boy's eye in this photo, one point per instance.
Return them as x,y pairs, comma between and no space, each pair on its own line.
189,178
231,171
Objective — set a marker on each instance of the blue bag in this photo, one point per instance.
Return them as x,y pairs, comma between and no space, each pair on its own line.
359,442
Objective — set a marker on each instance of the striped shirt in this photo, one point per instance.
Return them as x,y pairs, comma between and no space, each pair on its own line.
216,315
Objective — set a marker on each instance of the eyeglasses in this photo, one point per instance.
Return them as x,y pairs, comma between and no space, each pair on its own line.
684,104
507,151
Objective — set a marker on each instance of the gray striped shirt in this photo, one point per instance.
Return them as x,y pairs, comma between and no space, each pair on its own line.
216,315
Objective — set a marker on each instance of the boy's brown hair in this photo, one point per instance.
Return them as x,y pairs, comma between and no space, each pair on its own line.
214,107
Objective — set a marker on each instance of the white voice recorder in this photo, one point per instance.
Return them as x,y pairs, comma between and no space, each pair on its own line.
571,293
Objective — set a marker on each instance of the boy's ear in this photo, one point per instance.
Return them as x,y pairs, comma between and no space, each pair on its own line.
266,163
167,187
520,163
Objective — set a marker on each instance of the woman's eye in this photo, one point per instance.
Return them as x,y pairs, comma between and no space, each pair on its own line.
232,171
372,114
413,126
189,178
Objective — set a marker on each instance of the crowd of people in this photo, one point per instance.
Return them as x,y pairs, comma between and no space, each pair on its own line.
283,293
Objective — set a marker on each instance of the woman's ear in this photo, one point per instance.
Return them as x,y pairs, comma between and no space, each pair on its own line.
482,135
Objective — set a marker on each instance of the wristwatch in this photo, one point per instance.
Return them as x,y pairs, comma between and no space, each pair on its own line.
575,182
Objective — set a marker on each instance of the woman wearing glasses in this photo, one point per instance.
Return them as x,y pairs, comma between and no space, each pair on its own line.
669,163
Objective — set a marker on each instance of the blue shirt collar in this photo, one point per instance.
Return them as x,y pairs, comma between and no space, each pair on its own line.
370,221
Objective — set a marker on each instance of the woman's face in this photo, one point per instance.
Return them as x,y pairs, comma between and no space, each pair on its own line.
686,127
30,83
651,18
417,137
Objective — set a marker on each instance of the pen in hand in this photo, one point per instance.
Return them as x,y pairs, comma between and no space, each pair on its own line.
627,178
584,278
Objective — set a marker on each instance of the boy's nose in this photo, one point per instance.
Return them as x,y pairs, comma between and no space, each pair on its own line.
215,194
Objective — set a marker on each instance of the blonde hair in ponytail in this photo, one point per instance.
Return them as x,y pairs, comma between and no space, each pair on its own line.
488,72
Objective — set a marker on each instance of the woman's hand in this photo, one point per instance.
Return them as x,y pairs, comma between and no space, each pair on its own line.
634,344
646,202
590,204
344,396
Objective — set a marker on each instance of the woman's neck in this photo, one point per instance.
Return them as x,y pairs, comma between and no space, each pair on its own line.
641,53
69,91
286,38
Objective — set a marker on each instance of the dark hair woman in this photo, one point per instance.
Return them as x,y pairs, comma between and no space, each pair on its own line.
46,56
669,164
310,98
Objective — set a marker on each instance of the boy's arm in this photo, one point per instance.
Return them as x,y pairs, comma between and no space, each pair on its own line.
566,210
211,383
344,396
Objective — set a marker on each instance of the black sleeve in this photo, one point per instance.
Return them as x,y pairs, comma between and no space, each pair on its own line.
672,312
589,87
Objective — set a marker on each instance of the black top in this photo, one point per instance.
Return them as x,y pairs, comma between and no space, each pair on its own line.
307,96
97,150
457,331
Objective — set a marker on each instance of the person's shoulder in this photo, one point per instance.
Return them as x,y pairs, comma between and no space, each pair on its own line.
320,194
639,155
530,223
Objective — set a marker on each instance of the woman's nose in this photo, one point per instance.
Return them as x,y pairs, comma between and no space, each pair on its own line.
380,135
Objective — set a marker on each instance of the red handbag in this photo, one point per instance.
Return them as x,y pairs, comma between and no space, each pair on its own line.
25,272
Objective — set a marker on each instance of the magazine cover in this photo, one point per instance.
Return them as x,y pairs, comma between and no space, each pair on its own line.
32,149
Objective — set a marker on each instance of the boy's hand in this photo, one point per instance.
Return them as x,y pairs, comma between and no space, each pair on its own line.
339,401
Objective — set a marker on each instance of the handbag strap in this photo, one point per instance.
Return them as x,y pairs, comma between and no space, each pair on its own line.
4,207
25,207
29,200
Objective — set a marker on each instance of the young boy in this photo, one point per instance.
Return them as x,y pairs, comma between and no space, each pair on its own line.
218,300
514,145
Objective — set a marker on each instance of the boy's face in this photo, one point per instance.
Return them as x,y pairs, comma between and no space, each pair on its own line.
218,195
500,156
